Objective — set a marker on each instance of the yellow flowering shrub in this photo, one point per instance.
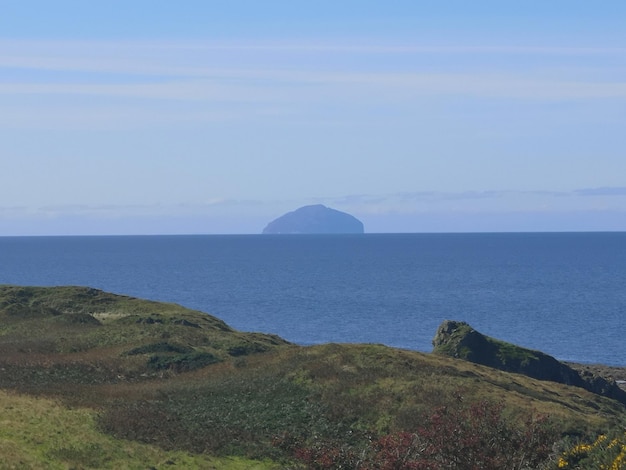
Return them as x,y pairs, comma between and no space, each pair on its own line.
602,454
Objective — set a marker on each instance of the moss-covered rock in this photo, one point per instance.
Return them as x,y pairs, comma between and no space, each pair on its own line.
460,340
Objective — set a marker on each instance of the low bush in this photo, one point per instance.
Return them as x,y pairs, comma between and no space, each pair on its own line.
462,437
607,452
162,347
182,362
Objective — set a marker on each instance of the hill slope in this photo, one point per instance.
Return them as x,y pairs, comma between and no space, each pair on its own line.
182,380
109,338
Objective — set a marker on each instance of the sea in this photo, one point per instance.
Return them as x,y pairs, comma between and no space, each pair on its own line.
561,293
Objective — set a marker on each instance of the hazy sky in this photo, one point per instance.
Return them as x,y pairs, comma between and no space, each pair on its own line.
200,116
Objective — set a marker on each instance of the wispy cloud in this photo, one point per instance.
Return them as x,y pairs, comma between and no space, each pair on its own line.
606,191
481,201
139,84
214,71
417,202
213,206
263,85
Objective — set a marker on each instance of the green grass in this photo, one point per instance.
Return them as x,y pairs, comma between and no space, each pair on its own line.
106,381
336,393
94,326
39,433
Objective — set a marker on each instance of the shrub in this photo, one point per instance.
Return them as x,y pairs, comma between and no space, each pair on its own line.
245,349
607,453
474,437
182,362
162,347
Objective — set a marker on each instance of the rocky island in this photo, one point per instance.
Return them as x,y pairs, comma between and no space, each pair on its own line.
314,219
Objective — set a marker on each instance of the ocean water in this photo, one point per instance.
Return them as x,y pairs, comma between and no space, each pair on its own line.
562,293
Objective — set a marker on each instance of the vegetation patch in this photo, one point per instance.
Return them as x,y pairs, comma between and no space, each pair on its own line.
39,433
162,347
77,319
157,385
247,348
608,451
182,362
514,356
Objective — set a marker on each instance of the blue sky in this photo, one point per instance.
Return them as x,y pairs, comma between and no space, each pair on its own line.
133,117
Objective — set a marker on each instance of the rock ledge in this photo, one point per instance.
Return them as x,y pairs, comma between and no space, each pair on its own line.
460,340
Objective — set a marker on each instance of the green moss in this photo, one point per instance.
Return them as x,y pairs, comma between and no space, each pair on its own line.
511,354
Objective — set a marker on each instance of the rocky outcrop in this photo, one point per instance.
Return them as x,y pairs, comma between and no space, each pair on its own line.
460,340
314,219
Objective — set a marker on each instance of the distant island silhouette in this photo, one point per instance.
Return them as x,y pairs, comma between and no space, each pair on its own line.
314,219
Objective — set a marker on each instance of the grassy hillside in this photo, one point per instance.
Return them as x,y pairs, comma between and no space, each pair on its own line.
86,336
142,381
38,433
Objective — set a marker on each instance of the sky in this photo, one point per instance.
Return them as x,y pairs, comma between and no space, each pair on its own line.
215,117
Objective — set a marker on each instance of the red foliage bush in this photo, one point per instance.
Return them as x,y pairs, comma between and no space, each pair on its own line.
474,437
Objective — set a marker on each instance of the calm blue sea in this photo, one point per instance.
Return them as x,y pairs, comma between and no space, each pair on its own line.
562,293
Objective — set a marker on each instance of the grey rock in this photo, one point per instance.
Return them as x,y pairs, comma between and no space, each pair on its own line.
460,340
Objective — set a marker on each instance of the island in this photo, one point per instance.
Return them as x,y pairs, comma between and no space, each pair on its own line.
314,219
